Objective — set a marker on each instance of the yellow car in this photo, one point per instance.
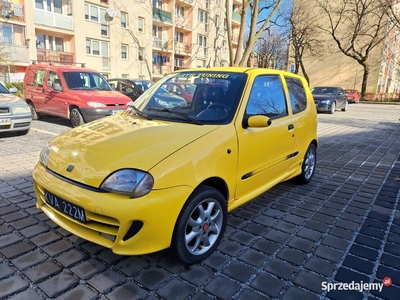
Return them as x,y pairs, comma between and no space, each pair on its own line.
162,174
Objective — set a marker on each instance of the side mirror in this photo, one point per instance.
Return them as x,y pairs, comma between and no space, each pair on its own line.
13,89
57,87
257,121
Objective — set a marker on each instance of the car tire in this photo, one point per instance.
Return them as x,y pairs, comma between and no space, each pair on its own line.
333,108
308,166
200,225
345,107
75,117
35,115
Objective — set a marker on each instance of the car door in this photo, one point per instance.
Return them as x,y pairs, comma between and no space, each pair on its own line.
37,90
264,153
342,96
55,95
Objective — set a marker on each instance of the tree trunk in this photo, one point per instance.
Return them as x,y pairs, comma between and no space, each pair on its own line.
364,81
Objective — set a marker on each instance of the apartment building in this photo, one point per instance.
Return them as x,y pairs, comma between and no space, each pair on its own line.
119,38
334,68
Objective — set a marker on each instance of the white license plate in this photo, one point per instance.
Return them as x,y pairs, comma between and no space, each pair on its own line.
6,121
74,211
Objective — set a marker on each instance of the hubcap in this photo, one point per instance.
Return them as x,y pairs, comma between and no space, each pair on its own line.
309,164
203,226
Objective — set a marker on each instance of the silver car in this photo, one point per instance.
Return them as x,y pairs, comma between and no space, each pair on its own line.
15,114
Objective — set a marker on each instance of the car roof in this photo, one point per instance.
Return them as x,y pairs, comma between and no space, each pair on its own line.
62,68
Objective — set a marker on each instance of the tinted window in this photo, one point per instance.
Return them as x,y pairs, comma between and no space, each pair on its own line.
38,79
298,97
267,97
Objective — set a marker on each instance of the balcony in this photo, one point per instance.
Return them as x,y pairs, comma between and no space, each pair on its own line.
15,54
161,43
162,15
66,58
183,48
160,70
10,10
236,17
52,19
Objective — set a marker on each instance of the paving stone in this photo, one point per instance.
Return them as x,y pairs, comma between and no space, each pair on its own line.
346,275
28,260
41,271
286,227
109,257
388,292
12,285
176,289
106,280
56,285
253,257
242,237
4,229
131,265
71,257
264,220
309,281
295,293
128,290
239,271
291,255
280,268
335,242
277,236
197,274
222,287
341,233
348,295
359,264
265,246
320,266
390,260
14,216
58,247
17,249
92,248
255,229
309,234
301,244
28,294
33,230
80,292
268,284
6,271
45,238
317,226
368,241
88,268
229,247
152,277
294,219
248,294
328,253
9,239
216,260
373,232
365,252
392,249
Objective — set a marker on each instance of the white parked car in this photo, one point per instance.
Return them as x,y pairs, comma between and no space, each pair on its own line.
15,114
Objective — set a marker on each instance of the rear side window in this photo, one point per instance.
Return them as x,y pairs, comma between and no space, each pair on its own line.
297,94
267,97
38,78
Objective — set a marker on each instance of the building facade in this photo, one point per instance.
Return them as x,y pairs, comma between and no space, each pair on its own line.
119,38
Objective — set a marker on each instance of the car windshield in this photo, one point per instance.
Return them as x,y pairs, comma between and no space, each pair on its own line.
215,99
3,89
86,81
323,90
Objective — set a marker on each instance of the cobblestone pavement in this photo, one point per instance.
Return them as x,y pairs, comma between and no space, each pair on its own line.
289,243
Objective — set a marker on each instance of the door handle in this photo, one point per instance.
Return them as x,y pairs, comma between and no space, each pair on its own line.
290,127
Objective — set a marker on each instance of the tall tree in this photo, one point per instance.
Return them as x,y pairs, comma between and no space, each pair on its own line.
305,41
259,13
271,49
357,27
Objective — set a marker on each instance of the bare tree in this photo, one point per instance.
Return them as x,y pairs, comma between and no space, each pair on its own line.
271,49
305,41
357,27
261,13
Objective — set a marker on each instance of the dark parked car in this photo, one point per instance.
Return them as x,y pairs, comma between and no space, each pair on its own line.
329,98
127,87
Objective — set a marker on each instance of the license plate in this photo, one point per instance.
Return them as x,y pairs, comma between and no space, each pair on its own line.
74,211
5,121
113,112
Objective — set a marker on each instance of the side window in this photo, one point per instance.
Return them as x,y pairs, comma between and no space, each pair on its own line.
38,78
53,78
113,84
267,97
297,94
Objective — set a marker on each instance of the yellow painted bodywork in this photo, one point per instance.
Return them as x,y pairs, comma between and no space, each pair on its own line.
180,157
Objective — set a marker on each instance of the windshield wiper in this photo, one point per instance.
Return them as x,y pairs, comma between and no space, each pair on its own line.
139,112
181,114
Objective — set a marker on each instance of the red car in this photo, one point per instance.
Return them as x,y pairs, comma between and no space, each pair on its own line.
353,96
185,90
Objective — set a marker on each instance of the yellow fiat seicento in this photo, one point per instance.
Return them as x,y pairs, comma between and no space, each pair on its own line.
165,174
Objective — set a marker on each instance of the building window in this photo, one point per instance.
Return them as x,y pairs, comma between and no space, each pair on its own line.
179,37
94,13
179,11
203,16
103,22
125,76
97,48
124,18
141,24
202,41
141,54
124,52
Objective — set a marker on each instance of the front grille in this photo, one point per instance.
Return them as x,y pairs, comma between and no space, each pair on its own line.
4,110
5,126
19,125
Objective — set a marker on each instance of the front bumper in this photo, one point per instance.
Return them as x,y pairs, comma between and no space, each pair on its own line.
91,114
18,123
111,216
323,107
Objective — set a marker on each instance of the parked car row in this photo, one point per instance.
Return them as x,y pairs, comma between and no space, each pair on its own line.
329,98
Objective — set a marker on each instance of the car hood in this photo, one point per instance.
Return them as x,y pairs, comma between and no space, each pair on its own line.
106,97
323,96
97,149
11,100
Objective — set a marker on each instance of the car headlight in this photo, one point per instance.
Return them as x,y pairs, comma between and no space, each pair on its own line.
96,104
133,182
20,110
44,155
325,101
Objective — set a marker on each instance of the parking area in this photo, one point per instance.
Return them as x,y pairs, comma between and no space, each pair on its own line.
328,239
